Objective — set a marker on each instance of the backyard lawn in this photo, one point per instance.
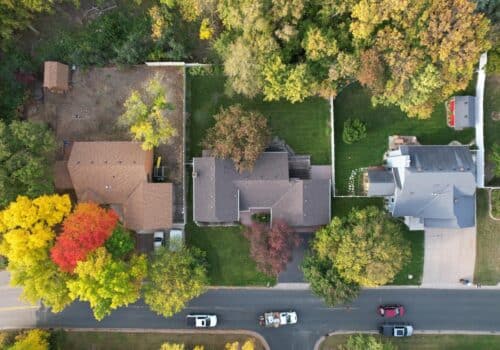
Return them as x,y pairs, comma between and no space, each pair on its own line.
487,244
381,122
304,126
491,127
428,342
341,206
144,341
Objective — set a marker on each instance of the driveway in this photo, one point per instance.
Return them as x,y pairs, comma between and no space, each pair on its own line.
450,254
293,273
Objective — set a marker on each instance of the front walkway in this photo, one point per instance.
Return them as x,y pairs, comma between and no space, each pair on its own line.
450,254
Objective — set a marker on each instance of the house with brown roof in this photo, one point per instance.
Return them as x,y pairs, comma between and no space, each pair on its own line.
280,184
118,173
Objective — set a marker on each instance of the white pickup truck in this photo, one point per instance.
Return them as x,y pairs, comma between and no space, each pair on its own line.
277,318
201,321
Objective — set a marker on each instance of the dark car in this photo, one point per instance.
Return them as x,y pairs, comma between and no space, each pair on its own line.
391,310
396,329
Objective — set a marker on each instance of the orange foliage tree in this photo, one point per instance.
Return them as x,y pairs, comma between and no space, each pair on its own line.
84,230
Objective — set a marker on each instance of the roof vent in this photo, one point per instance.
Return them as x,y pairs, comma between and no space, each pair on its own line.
194,174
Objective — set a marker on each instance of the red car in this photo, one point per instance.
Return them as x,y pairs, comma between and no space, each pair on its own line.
391,310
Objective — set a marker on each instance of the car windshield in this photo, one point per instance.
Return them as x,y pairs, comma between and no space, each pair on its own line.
158,239
399,332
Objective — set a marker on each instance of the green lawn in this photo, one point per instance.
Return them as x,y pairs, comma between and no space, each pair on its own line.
144,341
491,127
229,262
304,126
381,122
487,244
428,342
341,206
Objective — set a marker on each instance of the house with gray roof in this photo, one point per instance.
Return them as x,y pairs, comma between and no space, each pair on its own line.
428,186
280,184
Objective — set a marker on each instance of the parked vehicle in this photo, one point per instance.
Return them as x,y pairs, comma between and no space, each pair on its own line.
277,318
396,329
158,239
201,321
391,310
176,240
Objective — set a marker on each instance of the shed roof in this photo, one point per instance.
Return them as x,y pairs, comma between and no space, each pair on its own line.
464,112
55,76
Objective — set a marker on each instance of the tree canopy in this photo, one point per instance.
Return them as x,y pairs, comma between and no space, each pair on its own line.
26,158
174,279
84,230
366,247
146,115
107,283
27,234
238,135
409,53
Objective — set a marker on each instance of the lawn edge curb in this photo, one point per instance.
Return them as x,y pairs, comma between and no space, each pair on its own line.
256,335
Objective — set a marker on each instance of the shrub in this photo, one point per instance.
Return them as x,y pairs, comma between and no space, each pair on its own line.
263,218
120,243
495,158
354,130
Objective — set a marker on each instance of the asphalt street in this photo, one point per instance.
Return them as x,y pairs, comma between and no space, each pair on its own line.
427,309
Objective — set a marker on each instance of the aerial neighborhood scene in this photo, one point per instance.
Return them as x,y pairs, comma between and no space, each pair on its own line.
249,174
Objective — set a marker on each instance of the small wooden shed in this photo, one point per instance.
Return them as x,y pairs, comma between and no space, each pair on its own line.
56,76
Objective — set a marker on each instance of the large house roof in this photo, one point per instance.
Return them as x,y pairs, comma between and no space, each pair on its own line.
438,186
119,173
220,192
112,170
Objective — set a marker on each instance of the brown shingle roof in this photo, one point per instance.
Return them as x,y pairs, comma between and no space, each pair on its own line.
62,180
55,76
149,207
112,170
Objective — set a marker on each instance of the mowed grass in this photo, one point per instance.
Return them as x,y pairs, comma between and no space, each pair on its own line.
228,256
341,206
145,341
491,127
381,122
304,126
487,243
427,342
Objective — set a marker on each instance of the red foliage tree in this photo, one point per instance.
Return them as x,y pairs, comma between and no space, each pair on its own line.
271,248
87,228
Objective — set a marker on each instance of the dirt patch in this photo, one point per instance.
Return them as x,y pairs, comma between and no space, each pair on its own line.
89,112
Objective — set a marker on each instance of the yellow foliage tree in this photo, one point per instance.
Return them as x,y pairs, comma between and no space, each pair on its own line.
146,116
232,346
35,339
206,29
199,347
249,344
26,228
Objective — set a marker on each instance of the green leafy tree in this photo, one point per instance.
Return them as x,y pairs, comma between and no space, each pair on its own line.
146,115
366,342
174,279
26,158
107,283
35,339
366,247
326,282
238,135
354,130
17,15
120,243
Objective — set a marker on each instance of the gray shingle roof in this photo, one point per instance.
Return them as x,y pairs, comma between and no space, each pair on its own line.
220,191
381,182
464,112
438,186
